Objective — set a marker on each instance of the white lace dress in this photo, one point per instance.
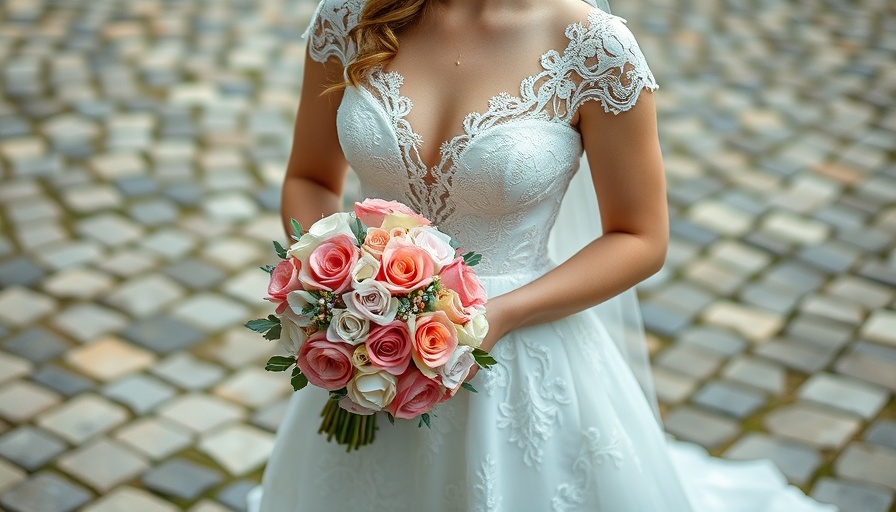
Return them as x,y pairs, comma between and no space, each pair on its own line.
560,424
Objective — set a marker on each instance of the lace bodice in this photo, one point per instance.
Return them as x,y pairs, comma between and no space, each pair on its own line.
498,185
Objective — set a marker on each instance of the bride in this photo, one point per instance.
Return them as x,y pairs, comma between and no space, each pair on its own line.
507,95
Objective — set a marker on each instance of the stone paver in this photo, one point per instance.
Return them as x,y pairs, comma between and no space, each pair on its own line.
140,190
46,492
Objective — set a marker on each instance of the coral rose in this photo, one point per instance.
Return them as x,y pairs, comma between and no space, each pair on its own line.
376,241
435,339
416,394
330,264
461,278
389,347
405,267
373,211
326,364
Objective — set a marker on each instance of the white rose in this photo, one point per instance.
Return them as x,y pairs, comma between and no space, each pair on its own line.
399,220
297,301
371,300
335,224
372,390
348,327
473,332
291,336
434,242
456,369
366,268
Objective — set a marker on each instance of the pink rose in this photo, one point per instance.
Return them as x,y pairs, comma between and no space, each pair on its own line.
330,264
373,211
416,394
405,267
352,407
461,278
326,364
435,339
284,279
376,241
389,347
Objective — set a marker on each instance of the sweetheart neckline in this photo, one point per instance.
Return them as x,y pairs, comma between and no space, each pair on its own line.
467,134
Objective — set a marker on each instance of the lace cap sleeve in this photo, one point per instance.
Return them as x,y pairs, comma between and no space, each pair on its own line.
328,31
608,65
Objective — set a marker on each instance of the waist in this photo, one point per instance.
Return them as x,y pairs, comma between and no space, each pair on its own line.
496,283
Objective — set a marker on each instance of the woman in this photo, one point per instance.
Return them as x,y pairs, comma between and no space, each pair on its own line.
561,422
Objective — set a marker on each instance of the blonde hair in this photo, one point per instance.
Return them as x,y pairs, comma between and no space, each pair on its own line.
374,36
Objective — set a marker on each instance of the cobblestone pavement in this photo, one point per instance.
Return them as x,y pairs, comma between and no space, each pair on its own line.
142,144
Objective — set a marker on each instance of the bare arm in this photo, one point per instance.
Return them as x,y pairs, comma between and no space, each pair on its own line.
627,170
316,171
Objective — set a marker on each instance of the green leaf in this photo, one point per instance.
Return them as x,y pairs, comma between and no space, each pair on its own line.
263,325
424,418
359,231
483,359
298,379
391,418
338,394
274,333
281,252
454,244
267,268
472,258
467,385
279,363
296,229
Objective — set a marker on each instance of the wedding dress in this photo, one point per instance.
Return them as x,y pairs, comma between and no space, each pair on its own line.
561,422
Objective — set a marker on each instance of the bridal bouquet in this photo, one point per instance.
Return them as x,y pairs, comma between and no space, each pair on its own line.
376,307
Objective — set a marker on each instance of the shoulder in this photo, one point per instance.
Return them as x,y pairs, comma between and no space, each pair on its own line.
328,29
605,60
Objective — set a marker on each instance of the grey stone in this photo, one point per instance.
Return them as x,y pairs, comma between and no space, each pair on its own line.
756,372
867,239
845,394
684,297
189,372
137,186
770,296
45,492
798,462
663,320
37,344
868,463
880,272
163,334
692,232
689,360
852,496
713,339
820,331
62,380
870,363
270,416
730,399
19,271
154,212
196,274
181,478
141,393
30,447
234,495
795,276
813,425
831,256
799,355
704,428
882,432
